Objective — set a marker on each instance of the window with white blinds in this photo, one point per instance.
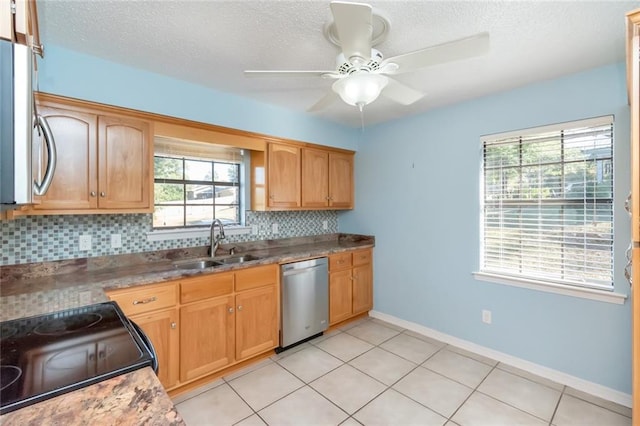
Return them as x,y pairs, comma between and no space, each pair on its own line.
547,204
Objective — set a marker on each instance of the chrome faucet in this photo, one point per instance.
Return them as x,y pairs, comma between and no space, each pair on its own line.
215,239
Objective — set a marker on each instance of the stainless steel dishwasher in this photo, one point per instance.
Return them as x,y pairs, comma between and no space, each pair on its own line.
305,301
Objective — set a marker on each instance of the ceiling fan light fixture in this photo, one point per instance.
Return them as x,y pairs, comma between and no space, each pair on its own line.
360,89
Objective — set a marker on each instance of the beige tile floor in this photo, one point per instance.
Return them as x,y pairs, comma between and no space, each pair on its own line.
374,373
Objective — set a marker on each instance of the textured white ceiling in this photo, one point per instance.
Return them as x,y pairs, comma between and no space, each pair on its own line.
211,42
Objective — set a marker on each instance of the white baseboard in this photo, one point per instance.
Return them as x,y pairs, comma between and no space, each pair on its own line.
548,373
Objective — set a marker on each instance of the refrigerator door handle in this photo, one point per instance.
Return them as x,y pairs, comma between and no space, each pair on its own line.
40,188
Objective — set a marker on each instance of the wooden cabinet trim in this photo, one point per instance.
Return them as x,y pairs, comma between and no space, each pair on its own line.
340,261
206,286
146,298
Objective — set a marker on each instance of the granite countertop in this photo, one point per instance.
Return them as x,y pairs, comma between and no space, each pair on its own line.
34,289
135,398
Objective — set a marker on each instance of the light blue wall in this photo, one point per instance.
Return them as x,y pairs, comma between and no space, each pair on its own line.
417,191
77,75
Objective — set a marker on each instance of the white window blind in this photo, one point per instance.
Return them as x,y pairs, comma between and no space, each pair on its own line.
547,203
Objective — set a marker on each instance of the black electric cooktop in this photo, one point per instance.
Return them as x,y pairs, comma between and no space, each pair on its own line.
47,355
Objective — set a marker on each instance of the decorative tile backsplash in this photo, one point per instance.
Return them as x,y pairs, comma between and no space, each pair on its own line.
29,239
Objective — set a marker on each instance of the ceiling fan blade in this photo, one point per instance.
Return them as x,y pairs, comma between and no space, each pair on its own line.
354,28
463,48
275,73
401,93
324,102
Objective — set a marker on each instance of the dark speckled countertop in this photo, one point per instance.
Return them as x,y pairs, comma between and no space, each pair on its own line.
33,289
135,398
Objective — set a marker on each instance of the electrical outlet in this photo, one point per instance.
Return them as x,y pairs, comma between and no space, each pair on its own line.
254,229
486,316
325,225
274,228
85,242
116,241
84,297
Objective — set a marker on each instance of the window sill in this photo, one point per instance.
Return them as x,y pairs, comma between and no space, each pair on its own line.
567,290
180,234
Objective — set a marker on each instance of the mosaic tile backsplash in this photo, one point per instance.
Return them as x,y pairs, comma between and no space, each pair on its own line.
31,239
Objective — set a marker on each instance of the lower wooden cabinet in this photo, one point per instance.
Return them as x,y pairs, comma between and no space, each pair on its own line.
206,337
161,327
257,321
213,321
350,284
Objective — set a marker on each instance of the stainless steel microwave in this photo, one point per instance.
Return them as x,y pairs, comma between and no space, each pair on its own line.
20,129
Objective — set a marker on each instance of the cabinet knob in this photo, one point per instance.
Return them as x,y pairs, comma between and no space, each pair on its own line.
230,310
93,193
271,197
239,307
173,325
103,194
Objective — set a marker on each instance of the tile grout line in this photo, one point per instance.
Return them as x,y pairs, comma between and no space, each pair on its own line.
472,392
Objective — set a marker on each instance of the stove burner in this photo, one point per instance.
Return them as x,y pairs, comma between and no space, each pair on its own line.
66,325
8,375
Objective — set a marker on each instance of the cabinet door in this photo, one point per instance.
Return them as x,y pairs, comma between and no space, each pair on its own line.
283,171
315,178
340,296
341,180
161,328
206,337
124,163
362,288
256,321
75,183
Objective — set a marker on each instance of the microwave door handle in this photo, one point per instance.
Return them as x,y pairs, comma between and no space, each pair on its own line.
40,188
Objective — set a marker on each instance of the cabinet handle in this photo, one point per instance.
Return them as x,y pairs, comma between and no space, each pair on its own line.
143,301
627,204
239,307
173,325
93,193
103,194
271,196
230,310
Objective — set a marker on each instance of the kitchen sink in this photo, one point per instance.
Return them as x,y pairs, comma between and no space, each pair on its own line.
197,264
210,263
237,259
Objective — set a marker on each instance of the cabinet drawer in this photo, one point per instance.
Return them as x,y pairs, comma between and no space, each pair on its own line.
340,261
361,257
204,287
146,299
256,277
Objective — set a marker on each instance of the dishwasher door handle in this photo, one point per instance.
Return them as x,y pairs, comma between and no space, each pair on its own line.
306,270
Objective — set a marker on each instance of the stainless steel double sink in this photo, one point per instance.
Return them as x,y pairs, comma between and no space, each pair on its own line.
208,262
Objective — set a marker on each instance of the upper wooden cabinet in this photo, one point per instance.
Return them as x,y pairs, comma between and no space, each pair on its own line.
104,162
327,179
19,22
283,175
301,177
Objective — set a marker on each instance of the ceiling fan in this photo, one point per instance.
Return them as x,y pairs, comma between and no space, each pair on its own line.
361,73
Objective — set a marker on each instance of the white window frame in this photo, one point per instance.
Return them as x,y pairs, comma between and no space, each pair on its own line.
572,288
